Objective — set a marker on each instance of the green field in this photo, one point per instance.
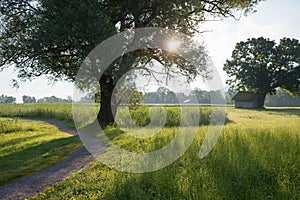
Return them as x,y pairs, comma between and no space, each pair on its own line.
256,157
63,112
30,146
57,111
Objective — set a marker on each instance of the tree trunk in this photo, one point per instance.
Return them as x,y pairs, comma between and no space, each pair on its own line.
261,100
107,104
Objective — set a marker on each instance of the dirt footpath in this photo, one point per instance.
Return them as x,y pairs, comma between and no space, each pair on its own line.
31,185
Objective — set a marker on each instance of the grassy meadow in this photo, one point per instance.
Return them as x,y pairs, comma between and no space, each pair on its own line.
30,146
256,157
56,111
63,112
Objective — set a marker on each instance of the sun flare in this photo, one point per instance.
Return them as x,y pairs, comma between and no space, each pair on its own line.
173,45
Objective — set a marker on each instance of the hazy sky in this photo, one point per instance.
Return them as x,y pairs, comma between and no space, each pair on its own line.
274,19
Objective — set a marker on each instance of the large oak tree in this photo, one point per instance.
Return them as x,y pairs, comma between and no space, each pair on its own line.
53,37
260,65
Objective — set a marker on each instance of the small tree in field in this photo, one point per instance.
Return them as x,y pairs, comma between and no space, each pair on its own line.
28,99
261,66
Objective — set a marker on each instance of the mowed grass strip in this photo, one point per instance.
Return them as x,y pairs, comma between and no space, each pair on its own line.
27,147
256,157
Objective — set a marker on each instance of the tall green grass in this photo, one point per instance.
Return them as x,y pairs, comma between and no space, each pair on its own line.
140,116
244,165
256,157
167,116
58,111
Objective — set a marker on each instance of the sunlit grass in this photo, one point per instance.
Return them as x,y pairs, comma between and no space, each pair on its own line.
256,157
30,146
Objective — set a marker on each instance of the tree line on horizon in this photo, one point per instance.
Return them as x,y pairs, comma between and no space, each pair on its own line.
4,99
282,98
165,96
7,99
162,95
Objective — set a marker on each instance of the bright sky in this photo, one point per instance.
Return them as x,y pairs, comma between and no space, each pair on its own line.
274,19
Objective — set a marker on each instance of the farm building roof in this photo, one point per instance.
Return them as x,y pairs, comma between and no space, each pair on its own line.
245,96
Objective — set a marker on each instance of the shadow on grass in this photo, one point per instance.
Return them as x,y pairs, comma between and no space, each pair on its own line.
279,110
16,141
33,158
289,111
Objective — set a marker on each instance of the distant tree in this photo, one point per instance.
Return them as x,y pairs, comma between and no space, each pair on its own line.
52,99
165,96
70,99
203,97
171,98
2,98
183,97
151,97
28,99
162,95
10,100
7,99
206,97
261,66
229,94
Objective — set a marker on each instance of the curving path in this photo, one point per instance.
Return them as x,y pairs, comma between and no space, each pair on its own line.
33,184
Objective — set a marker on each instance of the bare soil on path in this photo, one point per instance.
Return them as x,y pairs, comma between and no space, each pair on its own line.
33,184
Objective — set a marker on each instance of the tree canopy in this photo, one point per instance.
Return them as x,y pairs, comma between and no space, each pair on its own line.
53,37
260,65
